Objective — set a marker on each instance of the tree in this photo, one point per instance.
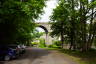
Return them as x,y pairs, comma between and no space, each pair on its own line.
76,14
59,23
17,18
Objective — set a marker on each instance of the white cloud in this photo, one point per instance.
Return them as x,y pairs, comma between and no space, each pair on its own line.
51,4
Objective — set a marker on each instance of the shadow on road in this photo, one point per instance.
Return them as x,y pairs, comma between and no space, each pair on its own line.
1,62
34,53
31,54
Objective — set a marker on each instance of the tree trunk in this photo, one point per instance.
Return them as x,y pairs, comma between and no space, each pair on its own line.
62,39
71,38
90,40
73,22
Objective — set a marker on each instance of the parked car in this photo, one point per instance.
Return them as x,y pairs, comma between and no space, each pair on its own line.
22,48
6,53
15,48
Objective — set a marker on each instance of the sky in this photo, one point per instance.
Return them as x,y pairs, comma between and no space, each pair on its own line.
50,5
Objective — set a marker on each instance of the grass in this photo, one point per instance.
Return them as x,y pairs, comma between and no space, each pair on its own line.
49,48
81,57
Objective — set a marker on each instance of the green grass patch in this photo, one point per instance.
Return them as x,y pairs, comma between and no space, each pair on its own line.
88,57
81,57
51,48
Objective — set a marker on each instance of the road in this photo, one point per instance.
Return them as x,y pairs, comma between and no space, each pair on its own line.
41,56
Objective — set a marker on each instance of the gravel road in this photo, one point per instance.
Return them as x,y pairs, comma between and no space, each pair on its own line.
41,56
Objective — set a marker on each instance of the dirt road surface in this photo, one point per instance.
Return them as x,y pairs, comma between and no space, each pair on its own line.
41,56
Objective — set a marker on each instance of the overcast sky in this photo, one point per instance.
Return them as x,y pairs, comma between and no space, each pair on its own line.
51,4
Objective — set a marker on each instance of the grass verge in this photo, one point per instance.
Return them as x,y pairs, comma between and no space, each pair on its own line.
81,57
78,56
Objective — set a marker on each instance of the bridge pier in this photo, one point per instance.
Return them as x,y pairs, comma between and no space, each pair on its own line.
46,26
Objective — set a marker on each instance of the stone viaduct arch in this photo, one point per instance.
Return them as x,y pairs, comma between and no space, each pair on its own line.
46,26
45,29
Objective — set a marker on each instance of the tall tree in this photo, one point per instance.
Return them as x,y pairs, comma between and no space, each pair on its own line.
79,14
59,21
17,17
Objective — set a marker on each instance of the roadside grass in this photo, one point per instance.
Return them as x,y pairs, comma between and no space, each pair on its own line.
81,57
49,48
88,57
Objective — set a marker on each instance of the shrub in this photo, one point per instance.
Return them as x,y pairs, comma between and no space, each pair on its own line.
42,43
34,43
57,43
53,46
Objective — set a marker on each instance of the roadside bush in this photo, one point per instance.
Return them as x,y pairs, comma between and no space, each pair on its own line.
53,46
57,43
42,43
34,43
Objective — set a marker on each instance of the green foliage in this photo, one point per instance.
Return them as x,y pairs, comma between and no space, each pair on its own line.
36,34
52,46
57,43
41,43
73,20
88,57
17,19
34,43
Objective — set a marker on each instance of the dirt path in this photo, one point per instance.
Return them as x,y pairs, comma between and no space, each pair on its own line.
41,56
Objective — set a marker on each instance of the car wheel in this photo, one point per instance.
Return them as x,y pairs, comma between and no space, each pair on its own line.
7,58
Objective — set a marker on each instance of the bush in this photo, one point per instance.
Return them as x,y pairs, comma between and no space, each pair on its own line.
50,46
53,46
57,43
42,43
34,43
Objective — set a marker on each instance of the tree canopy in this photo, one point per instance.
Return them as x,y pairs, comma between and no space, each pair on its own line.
74,20
17,18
